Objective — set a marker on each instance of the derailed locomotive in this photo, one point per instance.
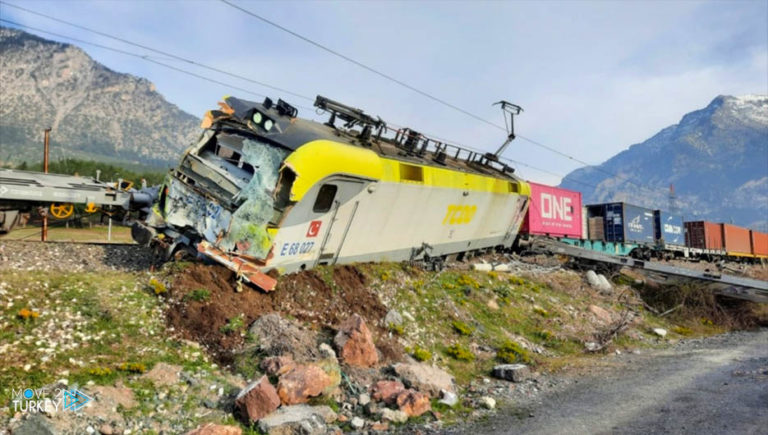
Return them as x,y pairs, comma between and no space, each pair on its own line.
265,192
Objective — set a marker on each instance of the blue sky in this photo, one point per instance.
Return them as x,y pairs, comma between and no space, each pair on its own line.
592,77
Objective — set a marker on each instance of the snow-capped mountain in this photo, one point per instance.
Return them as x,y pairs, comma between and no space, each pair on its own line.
716,158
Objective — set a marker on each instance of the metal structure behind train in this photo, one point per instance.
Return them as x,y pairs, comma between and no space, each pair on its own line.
265,192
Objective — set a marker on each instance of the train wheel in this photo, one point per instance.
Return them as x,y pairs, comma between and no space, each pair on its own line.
62,210
91,208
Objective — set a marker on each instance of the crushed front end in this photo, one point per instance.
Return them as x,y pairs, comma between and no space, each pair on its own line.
220,201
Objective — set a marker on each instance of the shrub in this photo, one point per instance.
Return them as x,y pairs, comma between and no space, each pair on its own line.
540,311
421,354
199,295
462,328
503,292
27,314
396,329
510,352
234,324
157,286
682,330
459,352
100,371
467,281
133,367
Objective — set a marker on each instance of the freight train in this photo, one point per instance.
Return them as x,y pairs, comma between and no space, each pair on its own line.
265,192
619,228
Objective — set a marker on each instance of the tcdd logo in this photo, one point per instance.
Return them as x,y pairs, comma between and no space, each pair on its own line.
314,228
553,207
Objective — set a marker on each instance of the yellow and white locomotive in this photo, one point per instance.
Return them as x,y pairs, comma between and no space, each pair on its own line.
264,191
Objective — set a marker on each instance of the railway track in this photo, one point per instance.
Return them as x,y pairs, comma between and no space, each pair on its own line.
727,285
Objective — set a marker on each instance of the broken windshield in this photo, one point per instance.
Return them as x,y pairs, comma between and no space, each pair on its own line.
248,228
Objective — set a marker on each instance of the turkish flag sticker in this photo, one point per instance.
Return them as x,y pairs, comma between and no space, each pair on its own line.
314,228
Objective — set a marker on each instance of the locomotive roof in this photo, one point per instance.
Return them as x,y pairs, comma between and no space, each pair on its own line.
293,132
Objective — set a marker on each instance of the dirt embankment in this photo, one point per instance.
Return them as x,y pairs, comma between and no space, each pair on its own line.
307,297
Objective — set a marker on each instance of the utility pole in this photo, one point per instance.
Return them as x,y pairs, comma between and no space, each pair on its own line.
46,148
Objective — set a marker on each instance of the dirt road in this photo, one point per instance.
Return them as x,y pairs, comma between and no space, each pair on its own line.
712,386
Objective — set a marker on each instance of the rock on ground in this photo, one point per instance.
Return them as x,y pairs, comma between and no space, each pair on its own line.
488,402
277,365
355,343
600,284
425,378
448,398
357,423
163,375
278,336
216,429
35,424
413,403
301,383
387,391
660,332
511,372
395,416
393,318
601,313
301,419
257,400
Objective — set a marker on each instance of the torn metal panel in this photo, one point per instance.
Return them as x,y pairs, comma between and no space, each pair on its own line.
245,269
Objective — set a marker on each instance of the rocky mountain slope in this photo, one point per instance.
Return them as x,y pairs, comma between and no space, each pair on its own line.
95,113
716,158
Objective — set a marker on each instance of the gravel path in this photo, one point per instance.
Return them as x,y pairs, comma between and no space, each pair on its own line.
73,257
716,385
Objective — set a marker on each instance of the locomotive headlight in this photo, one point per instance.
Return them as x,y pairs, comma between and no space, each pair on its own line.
268,124
257,117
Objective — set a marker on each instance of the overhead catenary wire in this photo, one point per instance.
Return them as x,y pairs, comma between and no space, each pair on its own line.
167,55
158,51
419,91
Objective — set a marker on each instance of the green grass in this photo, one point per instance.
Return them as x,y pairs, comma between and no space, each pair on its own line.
199,295
99,327
57,233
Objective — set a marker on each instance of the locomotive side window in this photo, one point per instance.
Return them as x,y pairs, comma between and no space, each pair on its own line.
325,198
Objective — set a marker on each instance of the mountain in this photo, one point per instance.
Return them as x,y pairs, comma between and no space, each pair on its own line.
95,113
716,158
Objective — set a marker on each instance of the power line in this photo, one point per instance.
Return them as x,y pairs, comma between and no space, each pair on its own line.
128,53
154,50
212,80
414,89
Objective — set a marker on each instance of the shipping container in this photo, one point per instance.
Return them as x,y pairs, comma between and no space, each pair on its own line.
668,228
759,243
736,240
704,235
553,212
623,223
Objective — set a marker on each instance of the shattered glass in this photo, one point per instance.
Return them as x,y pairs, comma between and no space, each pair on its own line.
248,229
